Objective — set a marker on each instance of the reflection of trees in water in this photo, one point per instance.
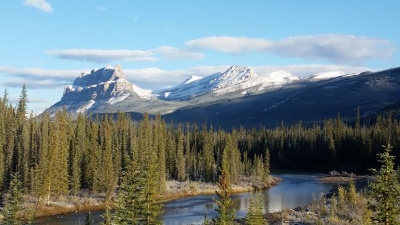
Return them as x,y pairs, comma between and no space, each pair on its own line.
266,201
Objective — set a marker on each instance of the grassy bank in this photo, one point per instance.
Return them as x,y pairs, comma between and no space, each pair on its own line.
86,201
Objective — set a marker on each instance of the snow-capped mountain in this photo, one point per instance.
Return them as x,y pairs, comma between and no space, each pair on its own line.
236,97
107,90
235,79
105,85
327,75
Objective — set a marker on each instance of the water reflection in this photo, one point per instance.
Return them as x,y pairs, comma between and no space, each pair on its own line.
294,191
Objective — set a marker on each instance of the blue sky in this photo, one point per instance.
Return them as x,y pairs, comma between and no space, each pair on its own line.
46,44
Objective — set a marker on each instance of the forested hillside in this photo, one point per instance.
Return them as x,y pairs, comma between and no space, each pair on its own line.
56,156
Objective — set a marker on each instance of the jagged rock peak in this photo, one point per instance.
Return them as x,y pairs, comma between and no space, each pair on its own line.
239,69
97,76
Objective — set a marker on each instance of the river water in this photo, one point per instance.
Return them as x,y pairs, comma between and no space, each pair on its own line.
295,190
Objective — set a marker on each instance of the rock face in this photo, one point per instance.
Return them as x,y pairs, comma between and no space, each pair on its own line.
98,85
92,90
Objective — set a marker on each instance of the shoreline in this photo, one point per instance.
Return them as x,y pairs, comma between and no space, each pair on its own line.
174,190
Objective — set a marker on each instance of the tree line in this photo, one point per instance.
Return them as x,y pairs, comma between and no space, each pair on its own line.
57,154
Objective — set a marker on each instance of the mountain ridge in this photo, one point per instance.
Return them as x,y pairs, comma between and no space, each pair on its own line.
278,96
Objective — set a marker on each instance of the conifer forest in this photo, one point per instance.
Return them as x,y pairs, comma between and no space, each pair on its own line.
50,156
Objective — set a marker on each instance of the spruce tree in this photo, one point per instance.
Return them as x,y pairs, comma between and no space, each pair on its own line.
180,157
13,201
107,216
267,165
137,203
255,212
88,219
385,191
225,209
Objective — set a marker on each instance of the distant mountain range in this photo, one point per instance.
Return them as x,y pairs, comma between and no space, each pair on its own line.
236,97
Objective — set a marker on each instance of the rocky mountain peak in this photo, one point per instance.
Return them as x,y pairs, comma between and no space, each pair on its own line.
240,72
100,86
97,76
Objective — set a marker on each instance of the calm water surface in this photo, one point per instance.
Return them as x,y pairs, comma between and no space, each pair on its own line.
294,191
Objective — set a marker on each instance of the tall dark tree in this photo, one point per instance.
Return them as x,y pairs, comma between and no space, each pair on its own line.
385,191
13,202
137,203
180,157
255,215
267,165
225,209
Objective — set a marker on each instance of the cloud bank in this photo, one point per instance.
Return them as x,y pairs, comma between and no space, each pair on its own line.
337,48
152,77
42,5
334,48
38,78
103,56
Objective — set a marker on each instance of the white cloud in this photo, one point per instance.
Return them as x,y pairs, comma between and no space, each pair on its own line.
40,4
38,73
176,53
233,45
336,48
103,56
35,84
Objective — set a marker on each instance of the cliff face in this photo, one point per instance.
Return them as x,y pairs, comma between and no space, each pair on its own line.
98,85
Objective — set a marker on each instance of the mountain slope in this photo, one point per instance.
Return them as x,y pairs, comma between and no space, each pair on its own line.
236,79
91,90
237,97
305,100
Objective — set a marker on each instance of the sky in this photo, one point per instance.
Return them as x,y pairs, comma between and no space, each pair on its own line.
46,44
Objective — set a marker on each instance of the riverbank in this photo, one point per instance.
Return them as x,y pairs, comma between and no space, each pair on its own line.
174,190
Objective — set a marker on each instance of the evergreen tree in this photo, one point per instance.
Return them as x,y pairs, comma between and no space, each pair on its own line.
267,165
225,209
22,138
78,147
255,212
180,157
12,205
137,203
385,191
107,217
88,219
161,141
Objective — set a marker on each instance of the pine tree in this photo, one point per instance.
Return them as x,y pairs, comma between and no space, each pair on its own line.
88,219
180,157
22,137
267,164
107,217
255,212
137,203
78,148
385,191
225,209
13,202
161,141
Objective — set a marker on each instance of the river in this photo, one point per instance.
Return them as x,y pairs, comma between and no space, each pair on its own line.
295,190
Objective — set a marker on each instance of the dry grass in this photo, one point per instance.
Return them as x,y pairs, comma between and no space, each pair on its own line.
176,189
86,201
